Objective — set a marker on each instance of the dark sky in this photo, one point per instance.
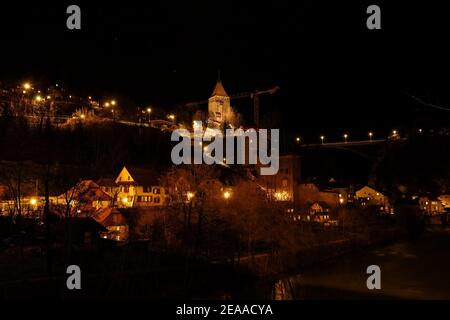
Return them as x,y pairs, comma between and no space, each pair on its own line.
334,74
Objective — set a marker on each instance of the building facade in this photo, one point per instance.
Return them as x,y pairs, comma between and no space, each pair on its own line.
219,108
368,196
138,187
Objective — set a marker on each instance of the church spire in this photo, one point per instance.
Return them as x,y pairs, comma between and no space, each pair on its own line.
219,90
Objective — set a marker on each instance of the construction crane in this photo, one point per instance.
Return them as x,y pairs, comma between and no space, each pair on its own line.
252,95
255,96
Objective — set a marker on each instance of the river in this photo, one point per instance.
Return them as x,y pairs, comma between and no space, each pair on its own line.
410,269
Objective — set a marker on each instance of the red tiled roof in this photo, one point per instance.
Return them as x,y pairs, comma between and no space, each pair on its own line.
106,182
109,217
143,177
219,90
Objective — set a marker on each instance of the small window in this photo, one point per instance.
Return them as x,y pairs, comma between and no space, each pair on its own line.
139,199
126,188
129,178
147,189
156,200
156,191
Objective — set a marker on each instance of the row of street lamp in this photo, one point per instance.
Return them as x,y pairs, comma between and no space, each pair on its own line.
149,111
346,136
27,86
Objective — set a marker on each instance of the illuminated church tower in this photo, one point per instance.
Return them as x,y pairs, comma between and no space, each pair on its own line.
219,109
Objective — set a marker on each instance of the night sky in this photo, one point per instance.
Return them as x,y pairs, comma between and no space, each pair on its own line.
335,74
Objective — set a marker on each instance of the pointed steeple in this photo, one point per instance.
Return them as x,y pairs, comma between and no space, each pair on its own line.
219,90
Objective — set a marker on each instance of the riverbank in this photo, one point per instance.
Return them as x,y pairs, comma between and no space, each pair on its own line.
410,269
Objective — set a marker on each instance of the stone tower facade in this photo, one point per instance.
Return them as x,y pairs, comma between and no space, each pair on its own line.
219,108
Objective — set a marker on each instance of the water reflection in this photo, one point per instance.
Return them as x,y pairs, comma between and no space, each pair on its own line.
409,270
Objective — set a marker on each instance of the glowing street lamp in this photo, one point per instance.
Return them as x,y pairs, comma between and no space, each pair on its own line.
82,116
27,86
113,102
370,135
33,201
227,195
322,138
38,98
190,195
297,139
107,104
345,137
172,117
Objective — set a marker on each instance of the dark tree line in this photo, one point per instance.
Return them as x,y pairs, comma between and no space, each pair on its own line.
101,148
